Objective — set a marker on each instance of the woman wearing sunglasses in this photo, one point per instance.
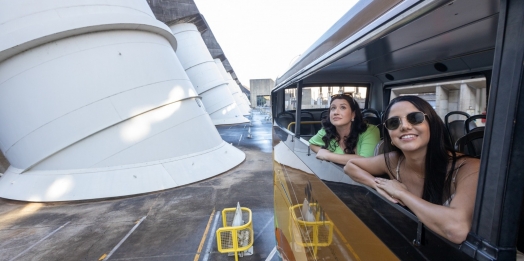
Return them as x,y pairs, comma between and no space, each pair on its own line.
344,134
426,174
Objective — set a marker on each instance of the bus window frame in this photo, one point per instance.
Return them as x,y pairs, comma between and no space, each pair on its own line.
499,193
336,84
386,94
300,86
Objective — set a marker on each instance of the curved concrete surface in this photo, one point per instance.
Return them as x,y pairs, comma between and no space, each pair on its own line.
234,88
205,76
102,114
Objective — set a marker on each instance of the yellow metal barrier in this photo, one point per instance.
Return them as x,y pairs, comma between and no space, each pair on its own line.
302,122
235,239
314,234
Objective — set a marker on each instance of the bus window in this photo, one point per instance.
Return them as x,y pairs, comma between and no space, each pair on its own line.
467,96
317,97
314,105
290,99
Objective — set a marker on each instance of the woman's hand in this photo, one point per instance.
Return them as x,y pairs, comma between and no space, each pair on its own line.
323,154
390,189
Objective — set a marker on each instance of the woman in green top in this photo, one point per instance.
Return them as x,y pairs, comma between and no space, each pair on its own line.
345,132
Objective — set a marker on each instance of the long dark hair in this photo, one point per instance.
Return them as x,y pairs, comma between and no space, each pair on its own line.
358,126
437,180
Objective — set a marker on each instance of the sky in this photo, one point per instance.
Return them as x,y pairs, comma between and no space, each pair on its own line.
261,38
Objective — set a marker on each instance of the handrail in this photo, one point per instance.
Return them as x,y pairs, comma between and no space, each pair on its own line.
303,122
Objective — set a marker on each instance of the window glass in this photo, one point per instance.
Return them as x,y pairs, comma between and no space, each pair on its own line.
263,101
320,96
468,96
290,99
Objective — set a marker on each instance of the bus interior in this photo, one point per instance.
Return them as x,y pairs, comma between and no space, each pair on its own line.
465,58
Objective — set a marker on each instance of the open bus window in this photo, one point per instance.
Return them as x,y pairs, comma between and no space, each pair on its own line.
467,96
314,106
461,104
317,97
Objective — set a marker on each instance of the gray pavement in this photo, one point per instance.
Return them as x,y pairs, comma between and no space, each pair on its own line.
174,224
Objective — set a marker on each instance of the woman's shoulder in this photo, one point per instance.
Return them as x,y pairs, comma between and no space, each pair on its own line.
371,134
393,156
466,166
371,126
322,132
371,129
463,160
317,138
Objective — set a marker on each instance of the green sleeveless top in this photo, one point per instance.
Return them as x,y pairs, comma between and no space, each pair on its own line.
365,145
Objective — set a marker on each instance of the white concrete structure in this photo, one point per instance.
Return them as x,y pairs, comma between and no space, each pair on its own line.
240,98
247,103
94,103
205,76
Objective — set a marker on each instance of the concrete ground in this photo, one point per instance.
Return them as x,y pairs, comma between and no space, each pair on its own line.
175,224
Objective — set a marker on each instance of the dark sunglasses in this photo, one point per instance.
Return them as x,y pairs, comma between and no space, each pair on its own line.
339,95
413,118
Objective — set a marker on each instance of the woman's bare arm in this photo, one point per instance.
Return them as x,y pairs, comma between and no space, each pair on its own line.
363,170
327,155
374,166
324,154
314,148
453,222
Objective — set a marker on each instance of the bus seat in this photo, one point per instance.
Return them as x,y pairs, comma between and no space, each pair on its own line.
455,128
372,120
372,116
307,129
284,119
471,143
370,112
469,124
379,149
324,114
307,114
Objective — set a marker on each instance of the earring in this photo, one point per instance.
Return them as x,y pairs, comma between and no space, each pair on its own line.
392,143
353,119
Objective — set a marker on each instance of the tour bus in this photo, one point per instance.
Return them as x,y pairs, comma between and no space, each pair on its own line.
465,58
